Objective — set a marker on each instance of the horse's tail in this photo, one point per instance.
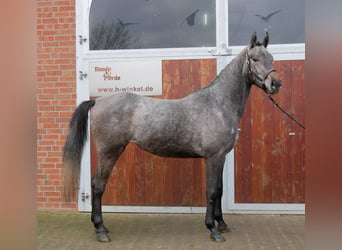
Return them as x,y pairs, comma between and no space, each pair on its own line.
73,148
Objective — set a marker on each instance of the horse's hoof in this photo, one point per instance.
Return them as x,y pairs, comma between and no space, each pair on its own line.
223,228
102,237
217,237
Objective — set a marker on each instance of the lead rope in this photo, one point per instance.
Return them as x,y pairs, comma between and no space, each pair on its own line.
286,113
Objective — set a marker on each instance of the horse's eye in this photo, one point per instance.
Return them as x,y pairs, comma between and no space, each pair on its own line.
254,59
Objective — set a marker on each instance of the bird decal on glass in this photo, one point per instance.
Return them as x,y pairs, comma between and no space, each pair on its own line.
268,17
190,19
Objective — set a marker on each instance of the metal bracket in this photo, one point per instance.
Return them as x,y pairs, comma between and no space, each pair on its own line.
84,196
82,39
82,75
223,51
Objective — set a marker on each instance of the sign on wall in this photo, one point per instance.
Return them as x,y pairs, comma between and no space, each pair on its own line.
139,77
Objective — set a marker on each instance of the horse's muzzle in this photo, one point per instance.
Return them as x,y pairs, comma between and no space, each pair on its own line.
275,86
272,82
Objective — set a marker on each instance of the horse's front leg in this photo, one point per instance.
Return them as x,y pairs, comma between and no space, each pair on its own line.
222,226
214,169
99,180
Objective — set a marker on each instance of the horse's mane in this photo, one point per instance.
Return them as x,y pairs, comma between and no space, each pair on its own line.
215,79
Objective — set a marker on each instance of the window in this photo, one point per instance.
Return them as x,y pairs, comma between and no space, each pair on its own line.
145,24
284,20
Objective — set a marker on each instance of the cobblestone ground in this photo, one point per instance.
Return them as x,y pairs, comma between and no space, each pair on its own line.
169,231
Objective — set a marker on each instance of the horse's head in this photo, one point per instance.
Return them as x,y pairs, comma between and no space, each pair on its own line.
259,64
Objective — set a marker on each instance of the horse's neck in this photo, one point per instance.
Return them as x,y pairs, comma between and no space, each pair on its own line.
232,89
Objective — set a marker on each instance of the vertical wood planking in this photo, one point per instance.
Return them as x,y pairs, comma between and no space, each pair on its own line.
298,99
284,180
140,176
278,152
269,156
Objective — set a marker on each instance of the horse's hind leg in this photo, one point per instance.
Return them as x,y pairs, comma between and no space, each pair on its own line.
99,180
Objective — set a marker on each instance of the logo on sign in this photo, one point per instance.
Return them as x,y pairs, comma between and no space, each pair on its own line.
107,76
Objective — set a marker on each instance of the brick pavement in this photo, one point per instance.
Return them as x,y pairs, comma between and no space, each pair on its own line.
169,231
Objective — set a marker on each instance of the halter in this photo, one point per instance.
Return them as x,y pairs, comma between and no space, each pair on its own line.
250,70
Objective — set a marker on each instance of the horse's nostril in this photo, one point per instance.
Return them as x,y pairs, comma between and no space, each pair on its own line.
276,84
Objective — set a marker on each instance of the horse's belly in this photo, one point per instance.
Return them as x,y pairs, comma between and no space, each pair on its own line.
175,154
167,150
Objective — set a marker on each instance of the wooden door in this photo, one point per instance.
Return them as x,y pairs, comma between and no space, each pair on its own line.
269,156
142,179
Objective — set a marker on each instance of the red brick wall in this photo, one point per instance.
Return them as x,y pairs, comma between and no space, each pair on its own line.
56,96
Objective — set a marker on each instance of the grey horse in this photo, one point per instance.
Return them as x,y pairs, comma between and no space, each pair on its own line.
202,124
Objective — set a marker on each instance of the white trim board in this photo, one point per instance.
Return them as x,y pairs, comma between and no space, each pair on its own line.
237,209
266,208
154,209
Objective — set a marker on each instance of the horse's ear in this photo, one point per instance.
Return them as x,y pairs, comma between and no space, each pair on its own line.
253,40
266,40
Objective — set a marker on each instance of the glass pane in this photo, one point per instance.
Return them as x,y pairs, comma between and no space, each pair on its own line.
284,20
135,24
